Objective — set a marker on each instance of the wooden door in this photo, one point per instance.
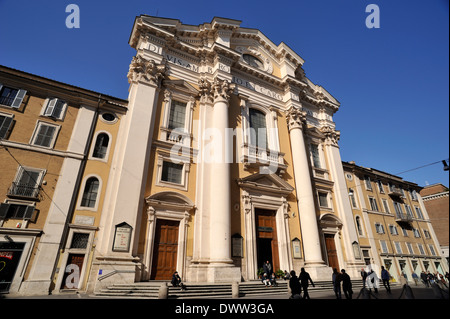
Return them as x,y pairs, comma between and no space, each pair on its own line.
165,250
331,251
267,242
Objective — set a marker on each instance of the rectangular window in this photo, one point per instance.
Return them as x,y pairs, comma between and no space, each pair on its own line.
405,232
408,211
413,194
351,194
418,212
373,204
26,183
367,182
315,155
379,228
386,206
55,108
323,199
393,230
410,248
398,247
398,209
416,233
45,134
380,186
433,252
11,97
384,247
79,240
421,250
16,211
177,115
426,233
5,125
172,172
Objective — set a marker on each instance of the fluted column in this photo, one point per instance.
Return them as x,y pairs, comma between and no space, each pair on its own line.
305,196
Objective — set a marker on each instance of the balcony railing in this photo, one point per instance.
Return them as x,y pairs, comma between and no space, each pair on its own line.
23,190
395,191
405,218
260,156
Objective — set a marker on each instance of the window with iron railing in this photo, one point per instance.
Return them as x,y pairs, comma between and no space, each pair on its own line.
26,184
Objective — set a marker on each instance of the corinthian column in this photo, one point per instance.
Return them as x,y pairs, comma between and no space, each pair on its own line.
220,205
303,187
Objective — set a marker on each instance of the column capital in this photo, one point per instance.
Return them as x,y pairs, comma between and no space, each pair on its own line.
218,91
295,118
147,71
331,135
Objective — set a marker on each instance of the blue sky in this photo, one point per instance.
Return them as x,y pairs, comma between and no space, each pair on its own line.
392,82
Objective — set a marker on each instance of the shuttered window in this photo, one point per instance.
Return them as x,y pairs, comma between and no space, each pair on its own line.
5,125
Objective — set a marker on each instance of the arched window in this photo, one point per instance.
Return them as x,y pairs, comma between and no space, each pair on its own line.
101,146
258,131
90,192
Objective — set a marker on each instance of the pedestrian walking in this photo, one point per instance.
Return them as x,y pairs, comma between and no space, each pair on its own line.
372,281
304,281
415,277
363,277
385,277
346,284
336,278
424,278
294,285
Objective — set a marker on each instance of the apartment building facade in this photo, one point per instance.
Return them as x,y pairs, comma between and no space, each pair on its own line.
435,198
392,223
46,129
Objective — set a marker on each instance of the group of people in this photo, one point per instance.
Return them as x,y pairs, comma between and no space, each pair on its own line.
429,278
268,278
297,284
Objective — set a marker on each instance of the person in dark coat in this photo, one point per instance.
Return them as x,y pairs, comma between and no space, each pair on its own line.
294,285
336,277
346,284
176,281
304,281
267,267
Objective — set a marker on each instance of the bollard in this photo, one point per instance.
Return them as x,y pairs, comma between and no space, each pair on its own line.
235,290
163,292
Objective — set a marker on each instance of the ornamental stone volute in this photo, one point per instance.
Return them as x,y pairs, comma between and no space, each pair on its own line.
295,118
146,71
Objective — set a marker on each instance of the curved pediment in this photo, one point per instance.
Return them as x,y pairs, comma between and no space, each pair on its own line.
170,199
266,183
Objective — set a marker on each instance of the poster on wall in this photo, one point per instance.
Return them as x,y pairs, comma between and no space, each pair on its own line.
122,238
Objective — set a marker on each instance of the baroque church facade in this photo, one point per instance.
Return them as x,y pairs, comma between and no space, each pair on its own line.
224,156
227,157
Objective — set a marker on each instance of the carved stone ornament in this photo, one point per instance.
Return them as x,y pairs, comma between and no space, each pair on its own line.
147,71
295,118
331,135
218,90
222,89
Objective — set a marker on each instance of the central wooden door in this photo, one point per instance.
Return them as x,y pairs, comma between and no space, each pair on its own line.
165,250
331,251
267,242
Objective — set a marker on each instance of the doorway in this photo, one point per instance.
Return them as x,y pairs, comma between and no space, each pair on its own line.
266,238
331,251
10,253
165,249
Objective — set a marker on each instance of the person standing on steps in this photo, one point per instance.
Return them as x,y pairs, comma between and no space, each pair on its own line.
346,285
294,285
336,278
267,267
304,281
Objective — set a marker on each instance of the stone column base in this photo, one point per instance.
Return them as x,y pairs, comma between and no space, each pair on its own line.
319,272
115,270
213,273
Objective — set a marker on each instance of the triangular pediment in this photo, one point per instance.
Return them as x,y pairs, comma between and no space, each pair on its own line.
266,182
181,85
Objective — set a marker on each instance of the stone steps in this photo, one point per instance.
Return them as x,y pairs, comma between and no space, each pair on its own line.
150,290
